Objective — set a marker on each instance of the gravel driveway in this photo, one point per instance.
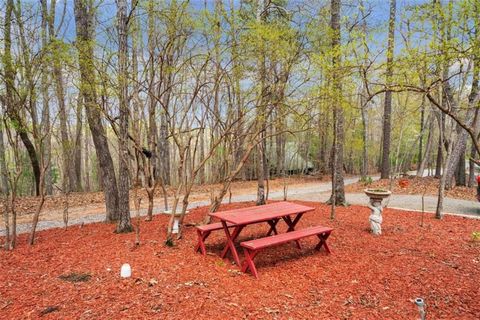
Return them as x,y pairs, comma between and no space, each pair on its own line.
317,192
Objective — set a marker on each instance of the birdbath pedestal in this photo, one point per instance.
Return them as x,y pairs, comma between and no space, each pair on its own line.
176,220
376,197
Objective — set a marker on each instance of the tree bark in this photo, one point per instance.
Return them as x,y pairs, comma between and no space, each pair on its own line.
423,158
387,110
84,18
86,157
77,152
338,187
68,168
455,163
441,186
3,164
440,145
45,124
364,168
27,100
472,181
13,105
124,225
260,109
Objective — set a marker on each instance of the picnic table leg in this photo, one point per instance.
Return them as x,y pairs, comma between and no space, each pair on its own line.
273,226
292,223
323,242
248,263
201,241
230,242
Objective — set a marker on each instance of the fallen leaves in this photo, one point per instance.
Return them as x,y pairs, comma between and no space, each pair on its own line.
415,185
365,277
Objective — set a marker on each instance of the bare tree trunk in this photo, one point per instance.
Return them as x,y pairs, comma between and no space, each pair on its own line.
124,224
38,210
422,133
423,158
84,17
280,145
86,157
201,175
6,220
460,174
458,153
441,187
151,157
77,152
3,164
364,168
68,170
45,102
472,182
261,106
364,94
13,211
387,111
236,91
164,148
338,187
29,101
440,145
457,160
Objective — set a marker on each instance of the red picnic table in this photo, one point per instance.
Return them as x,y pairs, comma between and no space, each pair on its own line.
289,212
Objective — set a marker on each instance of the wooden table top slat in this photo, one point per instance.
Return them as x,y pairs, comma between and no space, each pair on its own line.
261,213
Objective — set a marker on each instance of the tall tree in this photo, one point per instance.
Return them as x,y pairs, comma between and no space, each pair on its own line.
261,107
45,100
387,109
84,21
15,99
69,178
338,185
124,224
456,165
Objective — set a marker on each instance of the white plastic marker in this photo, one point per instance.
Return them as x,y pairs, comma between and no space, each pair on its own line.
126,271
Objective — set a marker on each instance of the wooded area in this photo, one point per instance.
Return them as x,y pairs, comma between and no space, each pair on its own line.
121,95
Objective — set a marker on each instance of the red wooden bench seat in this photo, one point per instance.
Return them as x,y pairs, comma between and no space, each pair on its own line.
252,247
204,231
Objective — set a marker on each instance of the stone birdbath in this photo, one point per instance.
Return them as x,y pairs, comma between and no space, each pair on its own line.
176,220
376,197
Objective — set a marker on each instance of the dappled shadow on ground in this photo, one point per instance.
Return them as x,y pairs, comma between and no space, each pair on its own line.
364,277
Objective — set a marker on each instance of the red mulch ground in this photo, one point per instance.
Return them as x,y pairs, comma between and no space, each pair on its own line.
427,185
366,277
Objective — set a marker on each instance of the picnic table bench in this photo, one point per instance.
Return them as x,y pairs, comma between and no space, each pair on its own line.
252,247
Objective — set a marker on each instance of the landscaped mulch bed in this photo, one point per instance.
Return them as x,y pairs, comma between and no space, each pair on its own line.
417,186
366,277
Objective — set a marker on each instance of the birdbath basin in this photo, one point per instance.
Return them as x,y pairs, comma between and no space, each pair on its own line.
376,197
378,194
176,220
177,214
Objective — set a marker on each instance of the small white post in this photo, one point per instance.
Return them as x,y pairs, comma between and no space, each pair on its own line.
175,225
